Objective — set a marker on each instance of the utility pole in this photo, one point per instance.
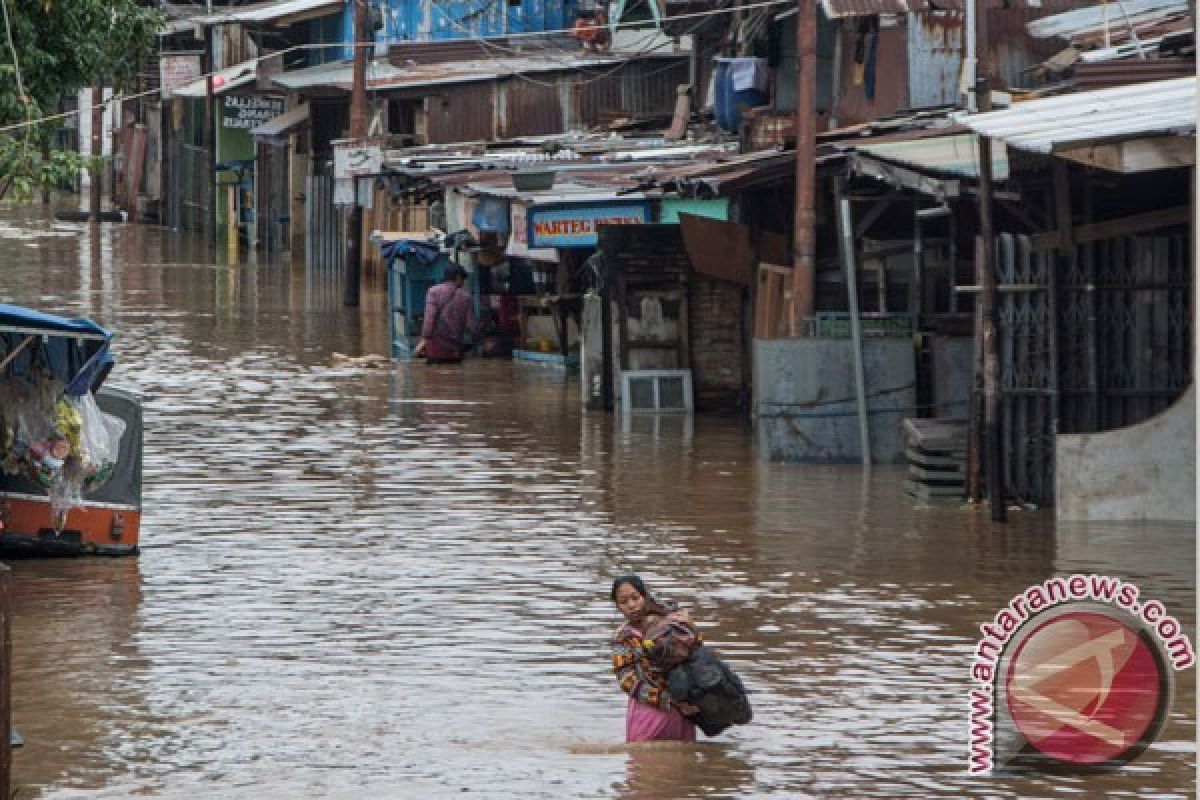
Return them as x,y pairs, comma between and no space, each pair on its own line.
96,149
804,233
210,136
358,130
985,269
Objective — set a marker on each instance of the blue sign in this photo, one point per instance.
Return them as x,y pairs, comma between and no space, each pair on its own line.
575,226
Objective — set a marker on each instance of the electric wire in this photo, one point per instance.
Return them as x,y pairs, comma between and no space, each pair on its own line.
352,45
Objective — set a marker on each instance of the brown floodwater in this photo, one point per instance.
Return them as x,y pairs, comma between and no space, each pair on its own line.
371,579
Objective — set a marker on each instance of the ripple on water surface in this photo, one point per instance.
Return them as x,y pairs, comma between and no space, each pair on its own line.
390,581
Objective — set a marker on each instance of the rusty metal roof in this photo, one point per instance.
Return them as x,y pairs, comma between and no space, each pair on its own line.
840,9
725,175
332,75
1117,17
484,69
1073,120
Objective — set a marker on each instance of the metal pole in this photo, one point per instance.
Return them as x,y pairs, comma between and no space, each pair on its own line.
97,148
358,129
970,59
6,600
210,136
846,226
804,233
986,272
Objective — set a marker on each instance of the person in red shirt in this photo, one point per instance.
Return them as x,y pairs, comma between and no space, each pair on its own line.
449,316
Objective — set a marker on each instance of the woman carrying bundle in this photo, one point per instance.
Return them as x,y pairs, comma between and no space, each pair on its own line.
651,714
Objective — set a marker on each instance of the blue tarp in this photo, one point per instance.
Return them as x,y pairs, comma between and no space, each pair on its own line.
426,253
74,350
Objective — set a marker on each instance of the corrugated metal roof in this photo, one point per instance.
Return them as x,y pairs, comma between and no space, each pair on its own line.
1072,120
284,12
385,77
1129,71
838,9
956,155
1116,16
484,69
334,75
288,10
223,81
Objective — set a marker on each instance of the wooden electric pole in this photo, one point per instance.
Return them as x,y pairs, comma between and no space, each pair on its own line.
804,232
985,269
358,130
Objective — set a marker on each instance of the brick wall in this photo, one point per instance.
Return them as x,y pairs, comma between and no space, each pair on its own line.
718,342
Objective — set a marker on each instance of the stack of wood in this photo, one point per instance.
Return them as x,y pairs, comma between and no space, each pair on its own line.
937,458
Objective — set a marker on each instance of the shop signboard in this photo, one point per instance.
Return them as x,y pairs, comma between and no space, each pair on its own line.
249,110
353,158
518,242
575,225
176,70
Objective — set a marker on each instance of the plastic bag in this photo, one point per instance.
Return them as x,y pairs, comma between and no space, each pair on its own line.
39,447
99,444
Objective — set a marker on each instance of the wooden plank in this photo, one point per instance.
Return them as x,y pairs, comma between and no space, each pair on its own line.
947,477
939,459
925,492
1137,223
762,302
1114,228
1137,155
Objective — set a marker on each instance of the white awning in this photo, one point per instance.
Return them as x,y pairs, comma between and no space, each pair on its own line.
223,81
283,123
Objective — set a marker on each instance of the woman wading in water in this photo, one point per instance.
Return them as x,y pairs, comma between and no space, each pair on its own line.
652,713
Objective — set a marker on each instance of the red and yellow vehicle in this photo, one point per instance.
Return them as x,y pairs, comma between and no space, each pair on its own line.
103,516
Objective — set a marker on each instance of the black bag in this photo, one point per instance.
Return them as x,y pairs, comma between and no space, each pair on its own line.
708,683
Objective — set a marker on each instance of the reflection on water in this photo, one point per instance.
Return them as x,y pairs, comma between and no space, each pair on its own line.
365,579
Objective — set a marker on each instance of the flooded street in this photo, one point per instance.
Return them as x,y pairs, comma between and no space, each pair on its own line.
372,579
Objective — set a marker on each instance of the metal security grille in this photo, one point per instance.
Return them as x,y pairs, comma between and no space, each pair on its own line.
1126,330
1087,341
1025,330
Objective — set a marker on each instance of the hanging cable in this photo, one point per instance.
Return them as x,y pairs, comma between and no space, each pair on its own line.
343,45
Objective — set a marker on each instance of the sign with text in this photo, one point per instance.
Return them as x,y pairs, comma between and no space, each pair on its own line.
518,242
358,157
176,70
575,226
249,111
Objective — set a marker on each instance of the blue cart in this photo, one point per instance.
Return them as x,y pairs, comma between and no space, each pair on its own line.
413,267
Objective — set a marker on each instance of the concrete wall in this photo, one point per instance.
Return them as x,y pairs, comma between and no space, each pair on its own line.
953,365
1144,471
804,398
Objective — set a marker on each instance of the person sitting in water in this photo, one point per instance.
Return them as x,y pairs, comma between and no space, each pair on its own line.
652,713
449,316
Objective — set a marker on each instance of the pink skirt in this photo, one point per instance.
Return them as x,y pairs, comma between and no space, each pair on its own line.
645,723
